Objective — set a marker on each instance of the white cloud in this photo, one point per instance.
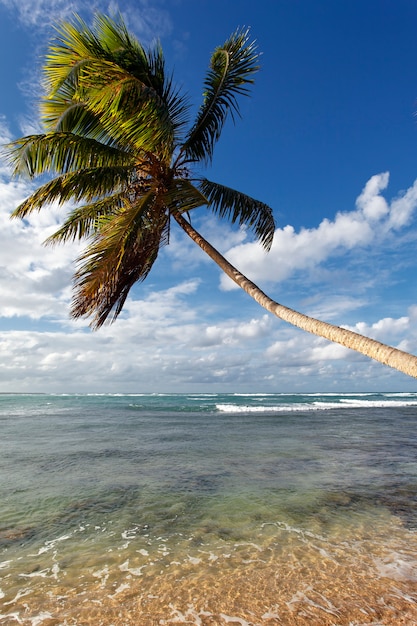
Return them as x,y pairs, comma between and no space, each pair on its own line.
154,346
304,351
389,330
318,359
146,20
402,209
163,343
293,251
233,333
5,134
32,12
333,306
370,202
34,280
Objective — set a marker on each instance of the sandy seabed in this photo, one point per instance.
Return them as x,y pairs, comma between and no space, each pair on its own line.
288,577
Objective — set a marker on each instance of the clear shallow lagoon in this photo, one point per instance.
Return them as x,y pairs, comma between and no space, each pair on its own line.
208,509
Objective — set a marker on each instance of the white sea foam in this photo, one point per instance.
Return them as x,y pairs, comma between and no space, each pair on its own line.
250,544
343,403
130,533
135,571
119,589
270,615
20,594
325,605
190,613
238,408
14,616
378,403
55,571
294,529
194,560
397,568
39,619
50,545
235,620
202,396
103,575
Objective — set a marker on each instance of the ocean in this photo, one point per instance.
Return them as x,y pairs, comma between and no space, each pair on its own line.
208,509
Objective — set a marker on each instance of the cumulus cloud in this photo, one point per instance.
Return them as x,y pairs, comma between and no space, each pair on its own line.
232,333
372,205
329,363
154,346
163,351
373,220
306,351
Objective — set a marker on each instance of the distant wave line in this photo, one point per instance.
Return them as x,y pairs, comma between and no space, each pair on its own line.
314,406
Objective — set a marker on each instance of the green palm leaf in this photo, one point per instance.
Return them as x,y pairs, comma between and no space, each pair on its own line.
60,152
110,73
231,69
85,221
73,116
83,185
241,209
76,45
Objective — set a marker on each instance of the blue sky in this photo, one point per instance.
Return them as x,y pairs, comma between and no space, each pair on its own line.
328,139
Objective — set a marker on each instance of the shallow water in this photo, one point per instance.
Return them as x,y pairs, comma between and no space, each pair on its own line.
208,509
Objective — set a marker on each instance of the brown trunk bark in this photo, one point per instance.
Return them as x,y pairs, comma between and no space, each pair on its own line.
402,361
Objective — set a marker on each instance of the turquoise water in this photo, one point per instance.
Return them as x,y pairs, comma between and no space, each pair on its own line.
208,508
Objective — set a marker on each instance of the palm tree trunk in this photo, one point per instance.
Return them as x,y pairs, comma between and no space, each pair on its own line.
402,361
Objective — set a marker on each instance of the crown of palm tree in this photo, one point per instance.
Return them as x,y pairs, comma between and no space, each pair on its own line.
118,144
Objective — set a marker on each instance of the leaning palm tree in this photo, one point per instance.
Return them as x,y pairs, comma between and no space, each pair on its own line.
119,147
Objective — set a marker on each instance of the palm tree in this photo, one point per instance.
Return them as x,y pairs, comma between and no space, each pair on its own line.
119,147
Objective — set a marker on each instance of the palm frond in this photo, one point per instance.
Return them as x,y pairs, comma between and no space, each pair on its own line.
84,185
122,253
240,208
60,114
115,38
132,113
86,220
231,69
109,72
183,196
75,43
61,152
